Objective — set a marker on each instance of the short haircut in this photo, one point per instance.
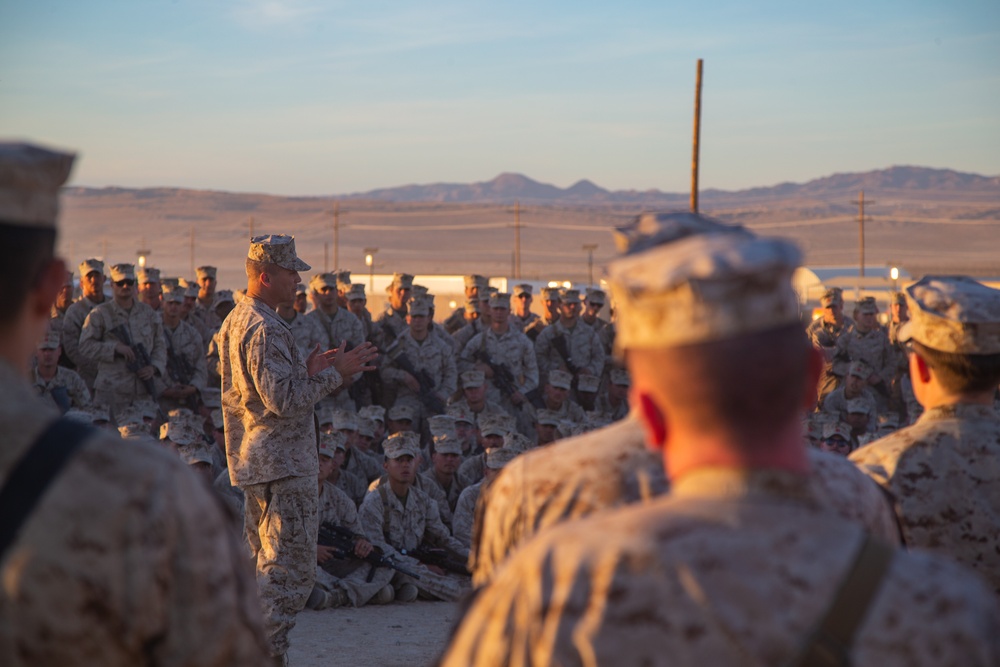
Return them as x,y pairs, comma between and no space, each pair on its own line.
24,254
255,269
962,373
747,386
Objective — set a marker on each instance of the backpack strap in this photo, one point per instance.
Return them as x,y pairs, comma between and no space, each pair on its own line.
385,510
33,474
829,645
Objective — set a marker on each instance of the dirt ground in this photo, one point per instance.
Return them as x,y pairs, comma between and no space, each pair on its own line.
410,634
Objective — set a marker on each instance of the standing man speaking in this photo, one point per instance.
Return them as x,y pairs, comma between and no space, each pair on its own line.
268,394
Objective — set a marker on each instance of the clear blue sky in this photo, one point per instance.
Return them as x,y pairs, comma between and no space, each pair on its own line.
324,97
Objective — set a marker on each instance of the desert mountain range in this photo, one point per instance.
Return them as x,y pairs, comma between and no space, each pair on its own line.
924,220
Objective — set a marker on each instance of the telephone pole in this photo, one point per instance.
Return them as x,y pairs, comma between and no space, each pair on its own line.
697,139
192,251
336,235
861,231
517,239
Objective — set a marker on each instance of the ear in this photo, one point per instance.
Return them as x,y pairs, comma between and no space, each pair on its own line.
265,279
814,371
654,420
919,368
49,284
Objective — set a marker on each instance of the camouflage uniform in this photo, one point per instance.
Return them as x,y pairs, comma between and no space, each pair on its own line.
389,326
185,342
430,355
871,347
467,333
76,388
835,402
405,527
329,332
824,336
465,513
348,575
352,485
450,494
653,585
585,349
511,349
116,386
73,321
519,323
946,490
362,465
303,329
127,559
268,404
433,491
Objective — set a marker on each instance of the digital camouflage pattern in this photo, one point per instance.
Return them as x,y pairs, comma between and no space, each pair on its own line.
430,355
654,585
127,559
116,386
76,388
72,328
512,350
465,514
585,349
944,473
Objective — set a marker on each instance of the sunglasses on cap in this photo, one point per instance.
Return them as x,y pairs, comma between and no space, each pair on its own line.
125,282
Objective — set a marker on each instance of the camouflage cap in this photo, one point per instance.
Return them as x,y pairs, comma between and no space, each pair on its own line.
329,443
122,272
858,406
475,281
148,275
343,279
175,295
954,314
206,272
550,294
79,416
588,383
224,296
401,444
461,415
473,306
179,432
401,412
366,427
89,265
495,424
373,412
30,178
500,300
321,280
570,296
148,408
832,297
194,454
172,283
595,296
888,420
211,397
191,292
860,369
838,428
324,415
649,230
897,298
418,291
620,376
523,288
867,305
546,417
278,249
560,379
516,442
447,443
99,413
441,424
356,292
50,341
134,431
401,281
704,288
419,307
128,415
473,379
498,457
812,429
345,420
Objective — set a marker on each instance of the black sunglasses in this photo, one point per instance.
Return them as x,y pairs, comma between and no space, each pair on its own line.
125,283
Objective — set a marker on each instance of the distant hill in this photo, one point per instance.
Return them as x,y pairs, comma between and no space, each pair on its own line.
508,186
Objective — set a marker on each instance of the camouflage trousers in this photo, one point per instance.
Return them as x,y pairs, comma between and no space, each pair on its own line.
432,586
282,525
355,585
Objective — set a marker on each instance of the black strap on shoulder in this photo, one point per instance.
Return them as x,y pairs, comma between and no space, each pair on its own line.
34,472
830,643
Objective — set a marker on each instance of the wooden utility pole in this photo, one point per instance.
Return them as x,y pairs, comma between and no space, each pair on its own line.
336,235
326,257
517,240
697,139
861,231
589,248
192,251
251,227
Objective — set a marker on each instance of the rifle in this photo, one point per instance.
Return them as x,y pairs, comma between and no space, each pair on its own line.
427,396
443,558
560,345
180,371
342,540
502,377
141,358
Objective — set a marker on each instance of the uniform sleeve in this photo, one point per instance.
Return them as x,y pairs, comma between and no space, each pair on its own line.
464,517
596,356
543,350
449,374
436,533
92,343
529,366
198,361
370,519
78,392
72,328
467,360
283,388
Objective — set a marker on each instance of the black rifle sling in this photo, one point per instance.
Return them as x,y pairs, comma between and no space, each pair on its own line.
33,474
830,643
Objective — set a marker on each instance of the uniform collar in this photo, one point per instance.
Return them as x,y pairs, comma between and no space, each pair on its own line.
735,483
